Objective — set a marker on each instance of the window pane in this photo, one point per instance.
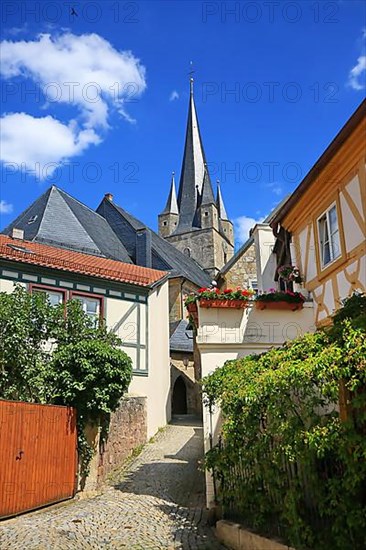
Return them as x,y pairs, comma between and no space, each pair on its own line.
336,248
333,221
326,253
91,306
54,297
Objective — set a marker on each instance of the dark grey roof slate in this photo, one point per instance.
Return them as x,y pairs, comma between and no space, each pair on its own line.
171,206
207,196
164,255
189,184
182,339
58,219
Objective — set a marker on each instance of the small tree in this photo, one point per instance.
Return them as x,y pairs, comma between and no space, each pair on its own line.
58,355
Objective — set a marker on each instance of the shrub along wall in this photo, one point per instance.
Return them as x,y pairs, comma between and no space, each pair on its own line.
287,465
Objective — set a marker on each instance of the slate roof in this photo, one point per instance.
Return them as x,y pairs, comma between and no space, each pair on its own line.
182,339
164,255
220,204
171,206
192,173
58,219
28,252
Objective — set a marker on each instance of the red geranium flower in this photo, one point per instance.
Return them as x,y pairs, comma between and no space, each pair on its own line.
228,291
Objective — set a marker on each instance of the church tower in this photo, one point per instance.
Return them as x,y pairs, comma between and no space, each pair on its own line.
196,223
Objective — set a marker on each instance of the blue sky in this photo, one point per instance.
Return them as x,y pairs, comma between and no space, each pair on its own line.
274,83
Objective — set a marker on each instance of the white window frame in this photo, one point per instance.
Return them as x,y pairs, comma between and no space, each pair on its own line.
332,255
83,297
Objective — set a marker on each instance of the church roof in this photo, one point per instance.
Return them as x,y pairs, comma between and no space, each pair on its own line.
207,196
164,255
171,206
220,204
56,218
193,170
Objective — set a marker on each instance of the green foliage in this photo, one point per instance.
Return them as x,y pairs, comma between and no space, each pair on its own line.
287,465
58,355
274,295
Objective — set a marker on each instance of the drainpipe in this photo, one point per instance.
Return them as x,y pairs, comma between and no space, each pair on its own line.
211,447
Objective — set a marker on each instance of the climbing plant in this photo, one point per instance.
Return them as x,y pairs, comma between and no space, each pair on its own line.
287,465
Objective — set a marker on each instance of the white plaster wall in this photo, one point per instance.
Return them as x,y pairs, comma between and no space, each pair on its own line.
122,317
266,262
6,286
251,326
352,231
156,385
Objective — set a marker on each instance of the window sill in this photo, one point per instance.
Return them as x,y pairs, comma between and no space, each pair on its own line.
140,373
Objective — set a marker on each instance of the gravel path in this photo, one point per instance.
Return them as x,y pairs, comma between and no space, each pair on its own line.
157,504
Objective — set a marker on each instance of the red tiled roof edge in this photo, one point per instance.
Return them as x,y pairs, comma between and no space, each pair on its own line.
133,274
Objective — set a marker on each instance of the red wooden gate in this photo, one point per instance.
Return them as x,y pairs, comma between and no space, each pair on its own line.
38,455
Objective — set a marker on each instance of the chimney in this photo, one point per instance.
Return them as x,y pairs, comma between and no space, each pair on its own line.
109,197
17,233
143,248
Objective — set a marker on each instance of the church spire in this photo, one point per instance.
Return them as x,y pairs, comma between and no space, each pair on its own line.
193,169
171,206
207,196
220,204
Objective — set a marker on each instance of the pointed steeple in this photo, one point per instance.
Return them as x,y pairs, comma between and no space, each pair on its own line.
207,196
220,204
171,206
193,169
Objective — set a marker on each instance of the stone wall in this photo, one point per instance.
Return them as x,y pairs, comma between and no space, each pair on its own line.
206,247
243,271
194,401
177,311
127,430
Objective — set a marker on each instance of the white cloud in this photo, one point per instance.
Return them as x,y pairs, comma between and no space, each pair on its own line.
85,72
5,207
243,225
275,187
174,95
357,75
27,141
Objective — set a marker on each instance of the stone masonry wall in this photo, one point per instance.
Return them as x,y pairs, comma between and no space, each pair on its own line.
242,271
127,430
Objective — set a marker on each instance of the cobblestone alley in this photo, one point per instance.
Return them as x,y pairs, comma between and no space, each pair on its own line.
157,504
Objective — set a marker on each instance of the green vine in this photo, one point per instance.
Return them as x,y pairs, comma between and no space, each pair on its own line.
287,465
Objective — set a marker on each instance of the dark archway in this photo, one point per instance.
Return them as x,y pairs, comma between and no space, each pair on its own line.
179,399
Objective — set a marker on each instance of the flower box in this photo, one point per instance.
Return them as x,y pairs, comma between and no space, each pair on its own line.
235,304
282,305
193,312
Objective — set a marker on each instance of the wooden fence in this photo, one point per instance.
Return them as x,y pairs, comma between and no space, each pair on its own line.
38,455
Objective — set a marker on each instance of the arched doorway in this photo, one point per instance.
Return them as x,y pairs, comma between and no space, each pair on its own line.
179,399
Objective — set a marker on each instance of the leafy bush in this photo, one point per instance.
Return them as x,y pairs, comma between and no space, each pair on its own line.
57,355
287,465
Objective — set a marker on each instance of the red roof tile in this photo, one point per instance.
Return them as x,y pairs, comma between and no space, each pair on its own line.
76,262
